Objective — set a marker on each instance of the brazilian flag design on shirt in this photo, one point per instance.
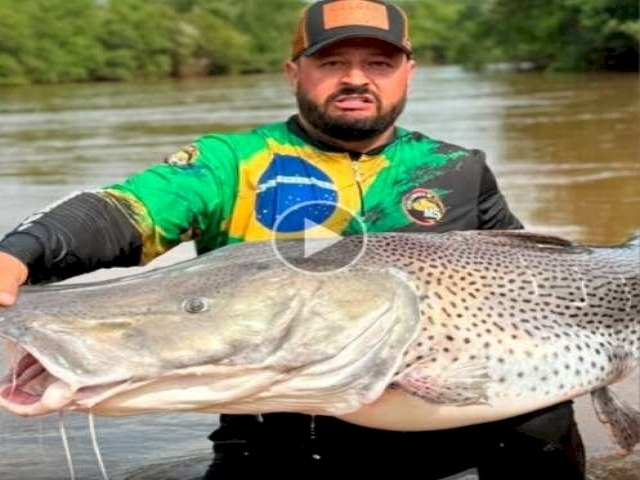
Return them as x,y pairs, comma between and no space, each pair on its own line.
227,188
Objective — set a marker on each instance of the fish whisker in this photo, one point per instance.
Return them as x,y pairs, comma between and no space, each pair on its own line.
96,449
65,444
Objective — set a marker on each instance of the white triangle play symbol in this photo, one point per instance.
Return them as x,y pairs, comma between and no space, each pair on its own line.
322,238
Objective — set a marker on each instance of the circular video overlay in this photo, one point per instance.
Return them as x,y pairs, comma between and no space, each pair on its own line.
319,248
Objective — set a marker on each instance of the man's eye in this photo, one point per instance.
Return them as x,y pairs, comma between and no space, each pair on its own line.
381,64
331,63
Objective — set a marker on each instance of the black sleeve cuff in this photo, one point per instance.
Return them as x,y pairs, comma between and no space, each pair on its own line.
81,234
25,247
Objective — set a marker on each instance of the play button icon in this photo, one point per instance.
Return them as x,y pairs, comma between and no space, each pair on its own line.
319,248
326,238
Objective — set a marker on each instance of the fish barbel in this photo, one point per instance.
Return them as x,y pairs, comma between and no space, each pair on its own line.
424,331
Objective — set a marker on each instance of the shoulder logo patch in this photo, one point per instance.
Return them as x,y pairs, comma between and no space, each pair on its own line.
423,206
184,157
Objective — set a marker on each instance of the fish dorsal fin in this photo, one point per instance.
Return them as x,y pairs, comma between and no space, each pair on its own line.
527,240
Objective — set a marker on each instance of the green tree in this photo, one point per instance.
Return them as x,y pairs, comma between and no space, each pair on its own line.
432,22
212,42
57,43
139,40
15,41
269,31
565,34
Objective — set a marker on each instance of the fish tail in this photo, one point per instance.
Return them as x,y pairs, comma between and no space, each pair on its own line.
633,240
621,419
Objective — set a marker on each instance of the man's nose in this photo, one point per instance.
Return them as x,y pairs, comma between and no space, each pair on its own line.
355,75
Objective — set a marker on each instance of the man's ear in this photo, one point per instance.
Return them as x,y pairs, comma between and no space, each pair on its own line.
292,68
412,68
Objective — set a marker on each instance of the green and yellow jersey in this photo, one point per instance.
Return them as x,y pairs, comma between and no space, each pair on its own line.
227,188
237,187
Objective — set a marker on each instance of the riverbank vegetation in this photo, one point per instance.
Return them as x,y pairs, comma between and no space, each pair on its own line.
54,41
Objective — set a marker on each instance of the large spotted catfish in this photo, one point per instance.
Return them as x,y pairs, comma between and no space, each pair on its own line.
423,331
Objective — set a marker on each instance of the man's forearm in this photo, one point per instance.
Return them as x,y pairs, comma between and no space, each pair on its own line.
78,235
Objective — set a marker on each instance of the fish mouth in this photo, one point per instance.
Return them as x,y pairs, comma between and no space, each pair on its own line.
29,380
31,388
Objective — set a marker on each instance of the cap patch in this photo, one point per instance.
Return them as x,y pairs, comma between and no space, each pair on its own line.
348,13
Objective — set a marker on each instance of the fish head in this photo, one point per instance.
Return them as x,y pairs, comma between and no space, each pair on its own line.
128,345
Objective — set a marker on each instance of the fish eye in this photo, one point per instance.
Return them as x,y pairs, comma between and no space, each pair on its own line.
194,305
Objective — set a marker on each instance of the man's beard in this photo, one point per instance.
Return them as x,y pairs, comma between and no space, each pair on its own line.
349,129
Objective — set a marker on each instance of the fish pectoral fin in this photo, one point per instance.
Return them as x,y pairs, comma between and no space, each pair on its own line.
462,383
621,419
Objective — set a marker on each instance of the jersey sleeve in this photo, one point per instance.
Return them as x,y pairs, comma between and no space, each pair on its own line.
189,196
493,210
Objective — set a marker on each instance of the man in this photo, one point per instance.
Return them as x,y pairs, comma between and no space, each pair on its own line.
350,70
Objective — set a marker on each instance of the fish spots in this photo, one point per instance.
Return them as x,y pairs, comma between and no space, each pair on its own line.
499,302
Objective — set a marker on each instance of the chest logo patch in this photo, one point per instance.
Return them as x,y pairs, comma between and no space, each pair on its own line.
423,206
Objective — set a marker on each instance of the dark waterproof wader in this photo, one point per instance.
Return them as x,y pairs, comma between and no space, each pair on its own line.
544,445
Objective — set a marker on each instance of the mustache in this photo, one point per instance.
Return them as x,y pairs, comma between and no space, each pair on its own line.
353,91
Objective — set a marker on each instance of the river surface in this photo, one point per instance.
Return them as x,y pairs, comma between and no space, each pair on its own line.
565,150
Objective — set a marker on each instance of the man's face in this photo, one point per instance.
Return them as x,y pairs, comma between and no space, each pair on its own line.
352,90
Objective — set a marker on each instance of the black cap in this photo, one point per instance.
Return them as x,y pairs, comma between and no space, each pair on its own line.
328,21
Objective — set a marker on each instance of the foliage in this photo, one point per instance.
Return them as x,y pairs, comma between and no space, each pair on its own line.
50,41
568,35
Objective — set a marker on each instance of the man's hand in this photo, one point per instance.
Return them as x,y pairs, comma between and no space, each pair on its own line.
13,273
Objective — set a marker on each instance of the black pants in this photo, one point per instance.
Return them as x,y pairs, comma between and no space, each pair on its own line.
542,445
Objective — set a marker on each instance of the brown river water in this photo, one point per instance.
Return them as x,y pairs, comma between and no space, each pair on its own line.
565,150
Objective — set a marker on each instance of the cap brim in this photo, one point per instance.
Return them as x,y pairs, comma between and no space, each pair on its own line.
319,46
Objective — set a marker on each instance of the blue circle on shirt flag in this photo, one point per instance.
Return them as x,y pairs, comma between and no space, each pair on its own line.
290,181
